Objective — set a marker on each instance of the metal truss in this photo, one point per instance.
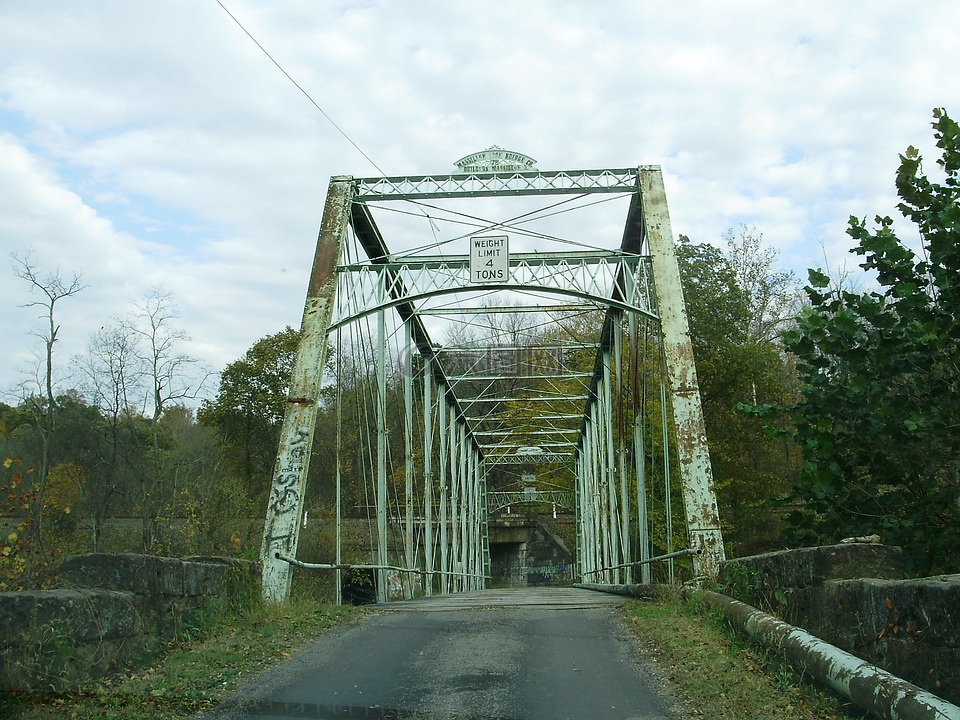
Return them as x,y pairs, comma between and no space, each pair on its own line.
504,409
497,501
547,457
477,185
607,278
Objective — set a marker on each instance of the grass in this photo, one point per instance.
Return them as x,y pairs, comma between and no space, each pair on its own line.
715,675
194,675
710,672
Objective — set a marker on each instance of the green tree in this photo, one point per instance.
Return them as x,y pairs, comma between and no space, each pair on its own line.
737,364
880,374
248,410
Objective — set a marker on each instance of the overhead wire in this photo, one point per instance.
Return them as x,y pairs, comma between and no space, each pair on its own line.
301,89
512,224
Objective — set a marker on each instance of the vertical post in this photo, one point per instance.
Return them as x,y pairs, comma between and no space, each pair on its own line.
382,500
583,505
281,528
455,509
600,499
622,453
471,538
699,497
408,457
484,526
638,383
610,471
338,573
428,475
444,484
464,506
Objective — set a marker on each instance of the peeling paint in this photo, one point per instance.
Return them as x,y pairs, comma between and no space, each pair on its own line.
281,529
703,515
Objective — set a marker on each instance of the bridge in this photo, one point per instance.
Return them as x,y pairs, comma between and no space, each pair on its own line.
494,338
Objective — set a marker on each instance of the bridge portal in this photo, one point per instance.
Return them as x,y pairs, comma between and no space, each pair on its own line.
518,323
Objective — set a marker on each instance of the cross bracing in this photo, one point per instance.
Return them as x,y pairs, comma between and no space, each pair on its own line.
474,185
620,279
558,367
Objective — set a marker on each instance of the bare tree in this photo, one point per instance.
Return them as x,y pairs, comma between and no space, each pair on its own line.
51,288
113,382
172,378
773,296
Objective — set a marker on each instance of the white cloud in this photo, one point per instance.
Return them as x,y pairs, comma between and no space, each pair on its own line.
154,143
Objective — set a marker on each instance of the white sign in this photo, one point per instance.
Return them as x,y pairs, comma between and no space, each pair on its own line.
495,159
489,259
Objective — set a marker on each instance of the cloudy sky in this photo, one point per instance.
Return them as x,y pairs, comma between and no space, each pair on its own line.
153,144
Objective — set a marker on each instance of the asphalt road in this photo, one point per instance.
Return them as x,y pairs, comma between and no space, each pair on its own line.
494,655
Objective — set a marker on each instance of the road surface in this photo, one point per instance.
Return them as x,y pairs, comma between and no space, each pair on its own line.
525,654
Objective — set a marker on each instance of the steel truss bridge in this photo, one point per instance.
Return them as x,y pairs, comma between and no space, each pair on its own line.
572,364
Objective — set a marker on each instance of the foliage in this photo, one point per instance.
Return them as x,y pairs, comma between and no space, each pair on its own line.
715,675
200,671
248,410
737,364
881,379
21,567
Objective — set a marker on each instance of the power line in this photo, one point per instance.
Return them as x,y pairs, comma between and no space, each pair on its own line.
297,85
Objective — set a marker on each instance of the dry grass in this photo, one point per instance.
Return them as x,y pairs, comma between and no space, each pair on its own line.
714,675
194,676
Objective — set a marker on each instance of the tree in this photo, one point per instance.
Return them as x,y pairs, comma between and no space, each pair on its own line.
737,365
171,379
52,288
248,410
772,296
880,373
112,381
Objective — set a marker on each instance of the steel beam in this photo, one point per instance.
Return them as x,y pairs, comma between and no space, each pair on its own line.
281,528
700,502
561,182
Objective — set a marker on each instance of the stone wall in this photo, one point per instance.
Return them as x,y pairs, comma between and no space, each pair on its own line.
56,639
853,596
529,554
112,611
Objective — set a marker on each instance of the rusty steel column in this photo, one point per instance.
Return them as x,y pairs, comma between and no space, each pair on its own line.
281,529
696,475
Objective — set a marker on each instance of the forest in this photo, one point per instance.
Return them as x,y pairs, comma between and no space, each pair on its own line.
830,410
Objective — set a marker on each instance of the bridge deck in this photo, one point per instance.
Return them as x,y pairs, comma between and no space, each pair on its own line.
558,598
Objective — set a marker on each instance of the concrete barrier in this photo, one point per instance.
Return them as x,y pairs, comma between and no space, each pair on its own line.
115,611
864,684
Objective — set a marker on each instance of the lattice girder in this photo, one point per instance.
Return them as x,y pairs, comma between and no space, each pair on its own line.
604,277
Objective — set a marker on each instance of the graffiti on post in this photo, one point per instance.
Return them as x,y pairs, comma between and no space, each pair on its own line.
285,495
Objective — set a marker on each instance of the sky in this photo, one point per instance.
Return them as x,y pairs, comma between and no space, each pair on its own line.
153,144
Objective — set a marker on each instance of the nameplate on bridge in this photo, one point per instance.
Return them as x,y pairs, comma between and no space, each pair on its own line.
489,259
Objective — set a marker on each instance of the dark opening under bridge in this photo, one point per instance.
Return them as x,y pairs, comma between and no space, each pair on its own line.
566,364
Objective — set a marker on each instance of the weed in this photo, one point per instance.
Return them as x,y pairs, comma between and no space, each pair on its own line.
709,667
197,673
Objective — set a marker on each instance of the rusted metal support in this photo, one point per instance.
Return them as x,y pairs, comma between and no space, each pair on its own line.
408,548
428,541
351,566
700,502
281,529
648,561
381,416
